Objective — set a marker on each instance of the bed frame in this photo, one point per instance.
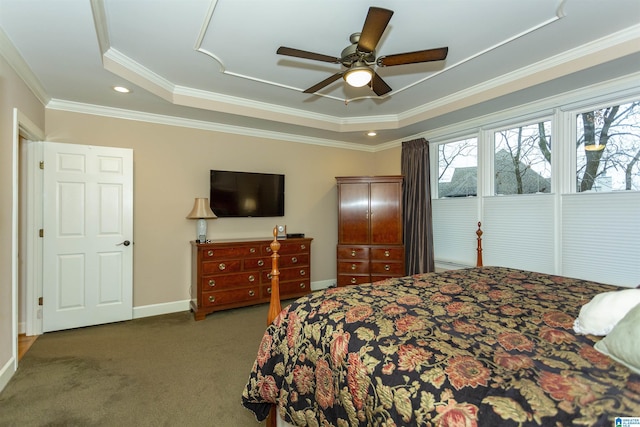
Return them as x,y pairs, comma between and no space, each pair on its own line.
274,304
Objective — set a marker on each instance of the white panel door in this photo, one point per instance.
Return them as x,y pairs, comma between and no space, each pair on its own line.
88,233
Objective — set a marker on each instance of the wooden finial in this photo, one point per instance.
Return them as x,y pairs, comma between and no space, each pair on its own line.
274,303
479,249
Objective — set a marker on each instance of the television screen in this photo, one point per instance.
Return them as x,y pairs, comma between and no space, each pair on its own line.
246,194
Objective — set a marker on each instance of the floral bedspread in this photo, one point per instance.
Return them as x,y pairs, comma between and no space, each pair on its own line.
485,346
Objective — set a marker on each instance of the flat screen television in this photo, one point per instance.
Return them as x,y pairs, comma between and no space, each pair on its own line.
246,194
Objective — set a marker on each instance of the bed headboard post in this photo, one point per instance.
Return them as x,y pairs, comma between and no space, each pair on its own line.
479,250
274,303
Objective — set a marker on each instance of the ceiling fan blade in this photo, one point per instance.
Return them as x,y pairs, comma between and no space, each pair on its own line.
288,51
324,83
374,25
379,86
413,57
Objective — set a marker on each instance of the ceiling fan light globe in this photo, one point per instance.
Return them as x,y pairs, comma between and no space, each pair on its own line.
358,76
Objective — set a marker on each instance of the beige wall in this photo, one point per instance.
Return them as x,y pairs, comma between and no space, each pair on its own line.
171,167
13,94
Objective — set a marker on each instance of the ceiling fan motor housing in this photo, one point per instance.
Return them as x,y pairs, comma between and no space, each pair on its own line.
351,54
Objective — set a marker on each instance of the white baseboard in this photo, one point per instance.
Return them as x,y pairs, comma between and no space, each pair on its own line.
7,372
158,309
323,284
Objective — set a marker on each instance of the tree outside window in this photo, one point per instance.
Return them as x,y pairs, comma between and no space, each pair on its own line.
522,159
608,148
458,168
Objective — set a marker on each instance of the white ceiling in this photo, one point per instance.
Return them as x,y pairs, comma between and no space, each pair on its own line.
215,62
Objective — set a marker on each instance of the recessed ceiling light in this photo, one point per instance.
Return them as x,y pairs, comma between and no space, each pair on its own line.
371,133
121,89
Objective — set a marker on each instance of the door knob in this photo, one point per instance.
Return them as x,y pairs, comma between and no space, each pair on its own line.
126,243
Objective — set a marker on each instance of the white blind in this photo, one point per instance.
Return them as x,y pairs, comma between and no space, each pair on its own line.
601,237
519,232
454,224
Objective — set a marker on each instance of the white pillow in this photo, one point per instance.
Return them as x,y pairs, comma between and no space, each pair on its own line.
604,311
623,342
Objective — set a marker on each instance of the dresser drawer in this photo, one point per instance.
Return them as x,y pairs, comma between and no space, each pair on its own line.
353,267
288,248
287,274
217,267
229,252
353,252
388,253
257,263
387,268
352,279
211,299
300,287
293,260
226,281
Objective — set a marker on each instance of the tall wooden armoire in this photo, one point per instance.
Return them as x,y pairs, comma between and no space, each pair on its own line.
370,232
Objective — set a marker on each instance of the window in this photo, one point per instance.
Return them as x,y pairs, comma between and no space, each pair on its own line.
608,148
458,168
522,159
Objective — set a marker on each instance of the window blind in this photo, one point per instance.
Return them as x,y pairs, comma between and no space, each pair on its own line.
454,224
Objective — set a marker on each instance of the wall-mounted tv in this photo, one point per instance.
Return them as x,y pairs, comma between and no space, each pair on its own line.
246,194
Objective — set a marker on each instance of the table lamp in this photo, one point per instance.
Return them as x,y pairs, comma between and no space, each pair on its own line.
202,212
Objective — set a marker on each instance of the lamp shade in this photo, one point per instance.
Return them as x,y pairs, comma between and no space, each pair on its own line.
358,75
201,210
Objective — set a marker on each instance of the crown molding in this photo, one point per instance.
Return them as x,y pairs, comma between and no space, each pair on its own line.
118,113
15,60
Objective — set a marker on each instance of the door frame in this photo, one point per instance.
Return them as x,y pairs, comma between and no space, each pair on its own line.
22,126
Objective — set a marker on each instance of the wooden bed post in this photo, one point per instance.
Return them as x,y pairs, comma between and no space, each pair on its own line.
479,250
274,303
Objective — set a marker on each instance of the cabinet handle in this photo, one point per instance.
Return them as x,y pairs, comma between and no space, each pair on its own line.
252,250
251,278
303,285
303,272
303,247
268,249
251,293
294,259
212,283
386,253
221,266
269,291
387,267
353,252
212,298
353,266
269,276
353,280
209,253
260,263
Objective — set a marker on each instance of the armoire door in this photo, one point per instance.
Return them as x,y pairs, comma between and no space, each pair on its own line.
386,213
353,222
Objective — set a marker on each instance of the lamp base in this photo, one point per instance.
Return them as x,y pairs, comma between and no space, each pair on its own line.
201,229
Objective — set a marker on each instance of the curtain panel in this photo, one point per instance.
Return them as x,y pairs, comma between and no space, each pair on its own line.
418,232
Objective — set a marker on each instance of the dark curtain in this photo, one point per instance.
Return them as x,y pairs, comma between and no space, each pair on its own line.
418,232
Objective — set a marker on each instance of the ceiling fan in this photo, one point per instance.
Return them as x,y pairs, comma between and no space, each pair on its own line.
359,57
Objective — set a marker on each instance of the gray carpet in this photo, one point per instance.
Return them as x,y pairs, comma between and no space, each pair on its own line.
160,371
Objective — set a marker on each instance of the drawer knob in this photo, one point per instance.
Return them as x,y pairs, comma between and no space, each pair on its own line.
303,272
386,253
268,249
303,285
251,293
252,250
353,252
303,247
269,276
209,253
221,266
252,278
260,263
294,260
269,291
387,267
353,280
353,266
212,298
212,283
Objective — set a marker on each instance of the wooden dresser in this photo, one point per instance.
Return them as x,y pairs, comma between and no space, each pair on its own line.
370,232
230,274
